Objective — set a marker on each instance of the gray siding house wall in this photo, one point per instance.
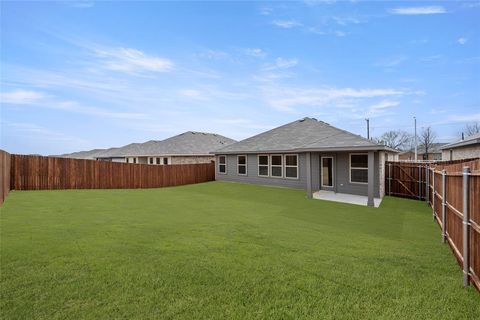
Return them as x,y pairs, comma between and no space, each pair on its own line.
341,177
311,140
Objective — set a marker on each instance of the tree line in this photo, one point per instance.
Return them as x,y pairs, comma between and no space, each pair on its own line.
405,141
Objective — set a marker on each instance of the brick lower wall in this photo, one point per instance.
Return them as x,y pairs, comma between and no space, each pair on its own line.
467,152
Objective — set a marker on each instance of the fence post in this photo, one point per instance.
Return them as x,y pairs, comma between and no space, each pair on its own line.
389,178
433,193
427,186
444,204
420,182
466,220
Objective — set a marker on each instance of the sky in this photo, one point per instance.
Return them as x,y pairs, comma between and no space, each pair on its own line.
81,75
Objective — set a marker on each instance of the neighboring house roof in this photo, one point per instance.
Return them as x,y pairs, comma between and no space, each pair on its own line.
90,154
473,139
307,134
433,148
188,143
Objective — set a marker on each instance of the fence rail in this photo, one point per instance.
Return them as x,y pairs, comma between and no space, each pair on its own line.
39,173
452,189
4,175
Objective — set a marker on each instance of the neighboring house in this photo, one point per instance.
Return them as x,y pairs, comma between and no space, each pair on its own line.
463,149
434,153
88,155
186,148
307,154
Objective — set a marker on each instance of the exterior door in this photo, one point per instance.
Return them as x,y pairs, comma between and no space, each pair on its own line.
326,173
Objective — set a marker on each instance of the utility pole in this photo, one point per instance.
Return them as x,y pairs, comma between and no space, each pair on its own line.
415,124
368,128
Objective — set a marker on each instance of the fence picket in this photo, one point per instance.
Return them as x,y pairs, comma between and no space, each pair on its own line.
457,195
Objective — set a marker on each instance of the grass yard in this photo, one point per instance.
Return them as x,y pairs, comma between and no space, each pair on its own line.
223,251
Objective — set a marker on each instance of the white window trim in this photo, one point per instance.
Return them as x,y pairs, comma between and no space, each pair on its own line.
246,165
350,168
281,166
333,171
263,165
286,166
222,164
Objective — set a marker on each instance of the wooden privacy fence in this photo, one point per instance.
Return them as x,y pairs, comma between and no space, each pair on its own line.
452,189
4,175
40,173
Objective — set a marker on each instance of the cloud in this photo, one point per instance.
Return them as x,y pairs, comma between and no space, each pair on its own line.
471,5
340,33
318,2
378,109
281,63
285,99
33,131
82,4
21,97
464,117
266,11
286,24
462,40
418,10
132,60
192,93
255,52
384,104
213,54
391,61
49,101
343,21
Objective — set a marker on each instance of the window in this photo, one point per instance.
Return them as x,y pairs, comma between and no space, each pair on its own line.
276,167
222,164
150,160
263,165
291,166
242,165
128,160
165,160
134,160
359,168
157,160
327,171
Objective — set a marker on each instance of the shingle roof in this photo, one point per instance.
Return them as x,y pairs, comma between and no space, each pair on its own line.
433,148
90,154
307,134
188,143
473,139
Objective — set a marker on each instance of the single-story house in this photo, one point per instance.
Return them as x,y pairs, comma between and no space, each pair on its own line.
434,153
88,155
186,148
464,149
311,155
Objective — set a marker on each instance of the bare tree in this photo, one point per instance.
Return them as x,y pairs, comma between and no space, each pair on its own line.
472,128
396,139
428,138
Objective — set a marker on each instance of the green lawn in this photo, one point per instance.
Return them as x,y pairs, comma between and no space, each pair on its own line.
223,251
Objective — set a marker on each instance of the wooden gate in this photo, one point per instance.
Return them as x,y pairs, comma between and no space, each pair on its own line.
406,179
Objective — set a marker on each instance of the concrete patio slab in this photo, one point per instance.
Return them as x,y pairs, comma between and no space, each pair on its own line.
345,198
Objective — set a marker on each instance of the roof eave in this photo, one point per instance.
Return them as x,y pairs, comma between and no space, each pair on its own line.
300,150
160,155
460,144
